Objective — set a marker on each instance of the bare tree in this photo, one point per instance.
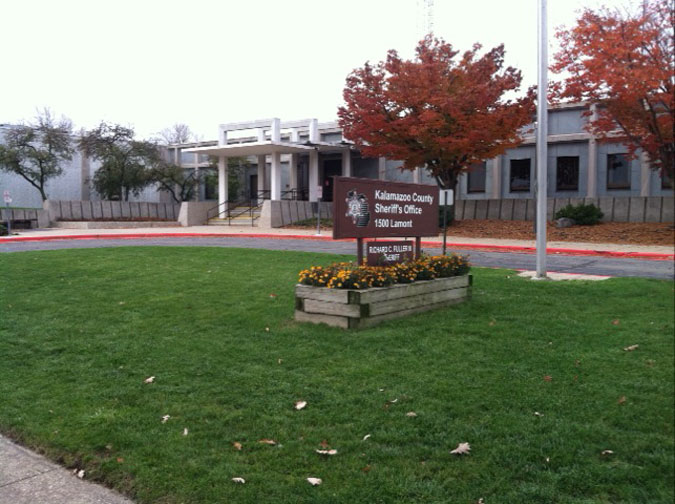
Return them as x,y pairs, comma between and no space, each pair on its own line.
176,134
35,151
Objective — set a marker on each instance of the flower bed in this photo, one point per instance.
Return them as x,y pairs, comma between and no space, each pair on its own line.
350,296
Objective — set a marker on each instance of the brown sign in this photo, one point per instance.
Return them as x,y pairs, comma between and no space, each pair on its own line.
376,208
383,253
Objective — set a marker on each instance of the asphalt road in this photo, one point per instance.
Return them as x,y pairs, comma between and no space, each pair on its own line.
621,267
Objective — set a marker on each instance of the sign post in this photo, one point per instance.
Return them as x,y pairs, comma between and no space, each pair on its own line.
370,208
8,199
319,193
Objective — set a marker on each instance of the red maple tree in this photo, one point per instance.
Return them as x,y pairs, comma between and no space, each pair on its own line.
436,111
624,62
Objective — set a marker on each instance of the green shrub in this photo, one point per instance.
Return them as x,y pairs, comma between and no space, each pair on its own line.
3,229
585,215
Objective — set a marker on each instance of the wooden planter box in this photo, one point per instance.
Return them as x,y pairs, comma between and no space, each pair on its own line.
350,308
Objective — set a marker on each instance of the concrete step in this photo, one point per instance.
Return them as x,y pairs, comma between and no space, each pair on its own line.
233,222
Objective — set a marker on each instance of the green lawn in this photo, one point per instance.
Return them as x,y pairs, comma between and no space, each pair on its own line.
80,330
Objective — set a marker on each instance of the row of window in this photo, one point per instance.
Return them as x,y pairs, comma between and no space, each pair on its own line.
566,178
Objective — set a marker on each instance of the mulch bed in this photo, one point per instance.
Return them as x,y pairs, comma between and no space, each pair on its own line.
635,233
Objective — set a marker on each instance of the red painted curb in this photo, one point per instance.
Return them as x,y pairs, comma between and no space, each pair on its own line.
477,246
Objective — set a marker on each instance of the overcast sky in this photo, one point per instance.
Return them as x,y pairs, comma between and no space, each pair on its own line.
151,64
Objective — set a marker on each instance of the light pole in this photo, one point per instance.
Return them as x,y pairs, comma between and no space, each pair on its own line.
542,136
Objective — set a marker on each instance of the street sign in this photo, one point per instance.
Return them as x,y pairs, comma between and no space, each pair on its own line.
6,196
319,191
443,194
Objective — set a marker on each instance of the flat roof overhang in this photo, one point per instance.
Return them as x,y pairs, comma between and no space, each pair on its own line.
265,148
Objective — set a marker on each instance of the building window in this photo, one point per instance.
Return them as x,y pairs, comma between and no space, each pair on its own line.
475,182
567,173
520,175
618,171
210,184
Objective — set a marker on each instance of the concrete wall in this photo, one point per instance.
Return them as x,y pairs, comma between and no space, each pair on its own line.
276,214
109,210
194,213
633,209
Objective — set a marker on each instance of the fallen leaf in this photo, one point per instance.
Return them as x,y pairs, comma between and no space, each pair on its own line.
548,378
536,413
607,452
411,414
615,322
120,460
165,418
366,437
267,441
651,362
492,323
314,481
267,329
394,401
237,446
239,480
631,348
324,444
149,379
462,449
622,399
273,295
80,474
366,469
122,302
185,431
279,361
298,405
548,459
481,500
326,452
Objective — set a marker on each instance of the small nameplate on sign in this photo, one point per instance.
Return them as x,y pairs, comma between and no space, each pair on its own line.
384,253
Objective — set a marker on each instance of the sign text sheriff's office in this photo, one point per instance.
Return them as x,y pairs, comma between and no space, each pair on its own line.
376,208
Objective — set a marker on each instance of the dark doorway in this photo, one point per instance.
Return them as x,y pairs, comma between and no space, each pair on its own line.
253,189
331,168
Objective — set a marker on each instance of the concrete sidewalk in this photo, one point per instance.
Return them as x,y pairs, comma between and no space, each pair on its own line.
553,247
28,478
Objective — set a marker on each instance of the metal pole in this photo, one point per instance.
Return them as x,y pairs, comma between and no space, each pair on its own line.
318,217
542,137
445,219
9,221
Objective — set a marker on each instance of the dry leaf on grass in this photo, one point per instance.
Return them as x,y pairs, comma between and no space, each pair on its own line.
314,481
631,348
615,322
411,414
279,361
492,323
536,413
548,378
622,399
239,480
149,379
366,437
267,329
324,444
120,460
462,449
237,446
165,418
607,452
79,474
480,501
298,405
271,442
185,431
326,452
273,295
366,469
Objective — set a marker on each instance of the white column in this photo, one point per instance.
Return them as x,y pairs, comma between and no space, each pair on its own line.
261,173
382,168
497,177
346,163
645,174
261,134
222,137
314,131
275,176
592,175
313,174
293,164
417,175
275,133
222,183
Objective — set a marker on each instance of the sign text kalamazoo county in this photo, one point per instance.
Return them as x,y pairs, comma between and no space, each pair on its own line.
376,208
